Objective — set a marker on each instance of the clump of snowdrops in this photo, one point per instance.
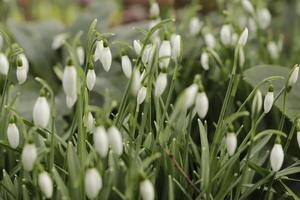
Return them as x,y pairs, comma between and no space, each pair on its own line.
145,146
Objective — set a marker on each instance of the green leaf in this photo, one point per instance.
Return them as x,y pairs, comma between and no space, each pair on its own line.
257,73
73,166
204,157
60,185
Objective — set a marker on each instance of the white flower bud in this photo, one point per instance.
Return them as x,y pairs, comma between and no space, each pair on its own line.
160,84
147,53
273,50
45,184
106,58
70,84
115,140
80,54
90,123
226,35
241,57
136,81
264,18
176,45
154,10
13,135
137,47
209,40
268,102
164,54
147,190
101,141
294,76
204,60
21,74
231,143
243,38
58,41
248,7
256,103
92,183
201,104
189,95
29,155
195,26
126,66
90,79
41,112
4,65
276,157
141,95
98,50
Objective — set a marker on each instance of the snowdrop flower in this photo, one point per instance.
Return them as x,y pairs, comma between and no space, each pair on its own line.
160,84
90,122
294,76
80,54
101,141
29,155
154,10
115,140
4,65
141,95
90,79
98,51
106,58
176,45
189,96
21,72
41,112
45,184
276,157
146,54
204,60
13,135
195,26
136,82
226,35
234,39
70,84
243,38
126,66
92,183
147,190
248,7
137,47
256,103
164,54
264,18
201,104
231,143
24,60
209,40
269,100
58,41
273,50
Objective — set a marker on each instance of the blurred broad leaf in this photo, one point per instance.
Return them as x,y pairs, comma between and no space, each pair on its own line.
36,39
257,73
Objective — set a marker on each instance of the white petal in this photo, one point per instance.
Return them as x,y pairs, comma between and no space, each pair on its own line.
70,101
92,183
294,76
90,79
137,47
21,74
4,65
160,84
231,143
268,103
126,66
273,50
205,61
101,141
58,41
264,18
147,190
244,37
70,81
195,26
41,112
248,7
176,45
98,50
13,135
106,58
201,104
136,82
141,95
164,54
154,10
209,40
189,96
90,122
257,102
298,138
115,140
45,184
80,54
29,155
25,62
276,157
226,35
